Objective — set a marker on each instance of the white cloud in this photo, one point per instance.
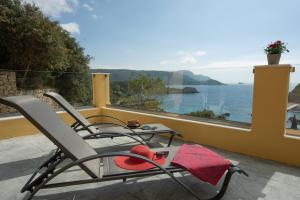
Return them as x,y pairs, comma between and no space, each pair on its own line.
194,53
94,16
55,8
244,63
72,27
188,60
184,58
241,62
191,60
234,64
88,7
199,53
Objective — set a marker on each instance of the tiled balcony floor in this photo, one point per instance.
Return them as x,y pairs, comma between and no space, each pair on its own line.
20,156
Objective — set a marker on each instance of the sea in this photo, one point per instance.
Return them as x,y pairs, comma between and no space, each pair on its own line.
235,99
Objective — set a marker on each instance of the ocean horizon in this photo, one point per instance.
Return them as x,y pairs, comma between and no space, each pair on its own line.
235,99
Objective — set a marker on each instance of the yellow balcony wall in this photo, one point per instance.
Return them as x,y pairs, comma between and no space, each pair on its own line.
19,126
265,139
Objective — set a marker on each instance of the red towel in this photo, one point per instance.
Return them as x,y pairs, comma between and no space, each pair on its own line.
203,163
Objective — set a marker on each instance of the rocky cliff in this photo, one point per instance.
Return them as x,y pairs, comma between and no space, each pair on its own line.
294,95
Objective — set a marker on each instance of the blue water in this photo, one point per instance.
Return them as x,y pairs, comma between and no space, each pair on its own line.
233,99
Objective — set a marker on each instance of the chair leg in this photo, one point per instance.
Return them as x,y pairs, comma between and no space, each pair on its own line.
226,181
30,194
170,140
225,184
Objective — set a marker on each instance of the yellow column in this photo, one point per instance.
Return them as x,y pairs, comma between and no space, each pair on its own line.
101,96
270,98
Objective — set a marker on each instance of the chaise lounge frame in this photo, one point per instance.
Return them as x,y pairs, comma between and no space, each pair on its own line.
85,157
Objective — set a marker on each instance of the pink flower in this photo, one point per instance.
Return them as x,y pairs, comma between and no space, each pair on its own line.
274,45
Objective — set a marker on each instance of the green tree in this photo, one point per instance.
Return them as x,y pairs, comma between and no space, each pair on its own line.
39,50
118,90
142,92
203,113
144,88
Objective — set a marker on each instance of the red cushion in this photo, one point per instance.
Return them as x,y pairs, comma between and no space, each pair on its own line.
203,163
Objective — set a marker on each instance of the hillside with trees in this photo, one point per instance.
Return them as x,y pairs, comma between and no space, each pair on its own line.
42,54
183,77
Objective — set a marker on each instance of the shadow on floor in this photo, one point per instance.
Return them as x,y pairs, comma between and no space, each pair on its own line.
162,188
158,187
19,168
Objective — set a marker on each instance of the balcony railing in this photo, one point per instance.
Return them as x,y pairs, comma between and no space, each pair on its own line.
75,87
185,95
266,138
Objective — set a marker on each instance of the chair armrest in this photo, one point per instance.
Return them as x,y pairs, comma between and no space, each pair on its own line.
98,135
107,116
107,123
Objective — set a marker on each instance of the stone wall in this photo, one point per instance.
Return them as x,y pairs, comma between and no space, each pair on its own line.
8,87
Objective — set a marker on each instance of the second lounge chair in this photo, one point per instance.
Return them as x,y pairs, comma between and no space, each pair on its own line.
110,131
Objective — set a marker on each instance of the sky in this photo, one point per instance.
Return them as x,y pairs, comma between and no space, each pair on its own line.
223,39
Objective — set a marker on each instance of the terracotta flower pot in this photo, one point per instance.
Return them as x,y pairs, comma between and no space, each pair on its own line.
273,59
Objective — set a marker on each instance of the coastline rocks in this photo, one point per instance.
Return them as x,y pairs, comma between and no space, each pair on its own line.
206,113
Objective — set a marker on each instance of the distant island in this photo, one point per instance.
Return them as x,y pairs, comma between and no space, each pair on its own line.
185,90
182,77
